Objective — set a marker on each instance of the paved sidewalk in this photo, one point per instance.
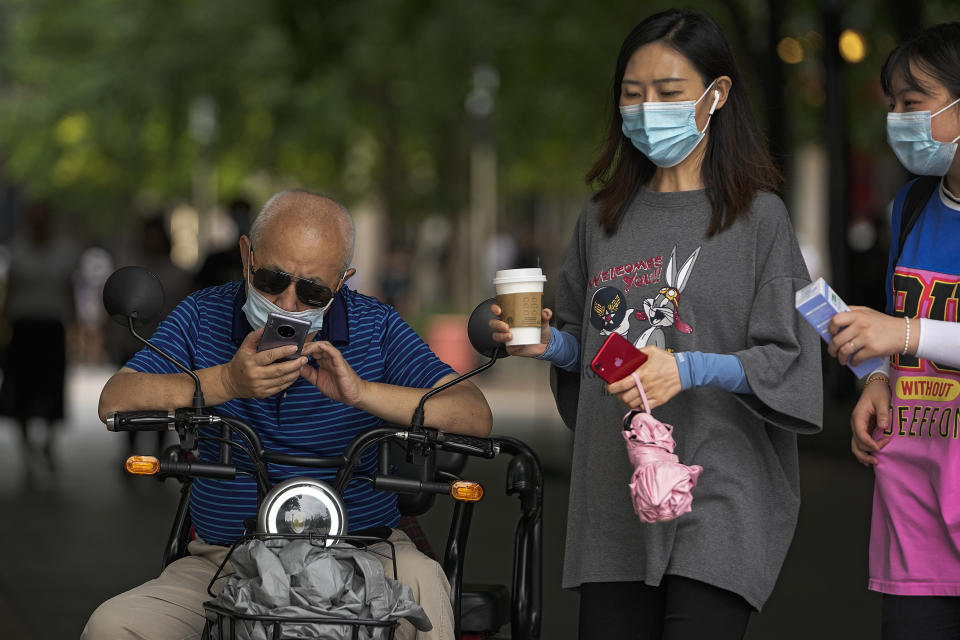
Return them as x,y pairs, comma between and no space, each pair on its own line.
81,535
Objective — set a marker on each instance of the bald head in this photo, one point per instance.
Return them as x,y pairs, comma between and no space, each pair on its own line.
314,216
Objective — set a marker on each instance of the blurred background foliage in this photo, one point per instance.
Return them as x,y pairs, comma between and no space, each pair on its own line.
113,106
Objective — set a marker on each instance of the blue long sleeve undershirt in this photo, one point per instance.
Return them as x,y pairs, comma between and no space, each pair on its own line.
697,369
563,350
717,370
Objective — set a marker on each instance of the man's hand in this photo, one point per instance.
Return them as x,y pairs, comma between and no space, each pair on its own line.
659,376
333,377
502,334
257,375
870,415
459,409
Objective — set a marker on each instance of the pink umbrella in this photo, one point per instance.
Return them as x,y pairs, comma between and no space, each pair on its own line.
660,487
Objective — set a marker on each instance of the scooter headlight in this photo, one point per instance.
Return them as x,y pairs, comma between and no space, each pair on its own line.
302,506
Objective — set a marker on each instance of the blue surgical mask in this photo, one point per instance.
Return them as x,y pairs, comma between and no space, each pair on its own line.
666,132
257,308
911,139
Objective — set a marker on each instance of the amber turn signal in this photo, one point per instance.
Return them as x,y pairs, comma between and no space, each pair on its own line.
466,491
142,465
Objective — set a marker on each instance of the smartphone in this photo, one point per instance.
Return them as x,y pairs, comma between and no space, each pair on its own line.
282,330
617,358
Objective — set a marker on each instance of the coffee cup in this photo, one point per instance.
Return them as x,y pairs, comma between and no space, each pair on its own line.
520,297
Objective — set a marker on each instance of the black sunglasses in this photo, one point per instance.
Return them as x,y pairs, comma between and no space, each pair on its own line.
276,282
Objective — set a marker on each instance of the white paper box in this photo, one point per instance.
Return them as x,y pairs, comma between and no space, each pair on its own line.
817,303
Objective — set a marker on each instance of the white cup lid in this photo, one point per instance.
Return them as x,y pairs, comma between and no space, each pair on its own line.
519,275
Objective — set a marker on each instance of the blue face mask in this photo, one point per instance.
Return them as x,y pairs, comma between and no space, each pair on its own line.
911,139
257,308
665,132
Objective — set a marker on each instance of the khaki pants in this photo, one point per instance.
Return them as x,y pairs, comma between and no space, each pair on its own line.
170,607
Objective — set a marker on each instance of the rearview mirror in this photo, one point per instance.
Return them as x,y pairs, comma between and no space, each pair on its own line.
133,292
480,333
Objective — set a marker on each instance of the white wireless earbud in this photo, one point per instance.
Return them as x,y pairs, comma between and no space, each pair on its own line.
716,99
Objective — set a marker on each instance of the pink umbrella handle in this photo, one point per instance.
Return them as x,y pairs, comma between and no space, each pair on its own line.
643,396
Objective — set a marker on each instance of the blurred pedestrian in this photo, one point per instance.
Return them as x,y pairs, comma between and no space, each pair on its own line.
94,266
396,281
685,250
906,424
224,264
39,306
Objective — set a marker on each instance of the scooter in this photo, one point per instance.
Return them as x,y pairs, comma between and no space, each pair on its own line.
134,296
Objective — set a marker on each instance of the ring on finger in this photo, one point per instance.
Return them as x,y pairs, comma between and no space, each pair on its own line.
852,346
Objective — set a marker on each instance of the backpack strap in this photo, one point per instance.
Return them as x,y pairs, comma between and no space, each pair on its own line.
914,202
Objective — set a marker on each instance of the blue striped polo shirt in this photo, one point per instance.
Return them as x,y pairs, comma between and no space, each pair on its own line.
206,329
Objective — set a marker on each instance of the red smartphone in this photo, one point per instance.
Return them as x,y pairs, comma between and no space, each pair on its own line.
617,358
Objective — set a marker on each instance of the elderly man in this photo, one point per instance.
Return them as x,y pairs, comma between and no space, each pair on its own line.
362,365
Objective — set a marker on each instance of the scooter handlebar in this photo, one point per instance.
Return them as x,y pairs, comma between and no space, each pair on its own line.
397,484
198,470
141,420
483,447
469,445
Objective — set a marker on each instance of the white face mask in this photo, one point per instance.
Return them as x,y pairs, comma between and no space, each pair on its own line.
666,132
257,308
911,138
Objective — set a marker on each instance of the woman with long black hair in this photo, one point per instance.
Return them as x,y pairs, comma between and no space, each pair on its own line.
687,252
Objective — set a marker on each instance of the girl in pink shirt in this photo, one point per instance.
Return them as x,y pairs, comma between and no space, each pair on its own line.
906,424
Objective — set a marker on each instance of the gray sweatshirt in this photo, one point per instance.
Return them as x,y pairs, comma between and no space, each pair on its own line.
661,281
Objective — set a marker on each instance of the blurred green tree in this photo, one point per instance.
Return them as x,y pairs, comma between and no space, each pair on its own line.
108,105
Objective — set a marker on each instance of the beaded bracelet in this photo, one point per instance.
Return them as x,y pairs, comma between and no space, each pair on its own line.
875,377
906,338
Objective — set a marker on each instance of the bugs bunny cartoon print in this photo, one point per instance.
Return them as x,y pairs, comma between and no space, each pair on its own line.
663,310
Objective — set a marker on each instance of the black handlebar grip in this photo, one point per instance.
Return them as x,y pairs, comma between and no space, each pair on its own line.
140,420
199,470
398,484
483,447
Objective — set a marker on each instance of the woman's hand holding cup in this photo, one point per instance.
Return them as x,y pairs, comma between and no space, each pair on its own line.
501,333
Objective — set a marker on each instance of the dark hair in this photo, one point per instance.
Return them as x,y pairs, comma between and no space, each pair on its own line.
936,51
736,163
